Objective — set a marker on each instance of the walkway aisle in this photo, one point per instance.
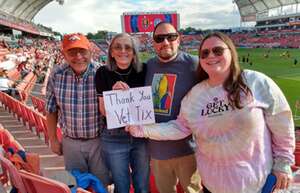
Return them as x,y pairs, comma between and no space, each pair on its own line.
51,164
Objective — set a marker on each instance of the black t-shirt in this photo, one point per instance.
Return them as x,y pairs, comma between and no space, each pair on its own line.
106,78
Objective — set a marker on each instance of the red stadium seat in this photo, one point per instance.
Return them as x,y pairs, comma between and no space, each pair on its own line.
38,104
8,141
10,170
36,184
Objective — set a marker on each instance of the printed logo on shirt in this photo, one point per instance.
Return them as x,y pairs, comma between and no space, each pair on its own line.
163,86
216,107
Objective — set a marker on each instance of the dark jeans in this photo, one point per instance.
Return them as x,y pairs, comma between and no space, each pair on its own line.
128,159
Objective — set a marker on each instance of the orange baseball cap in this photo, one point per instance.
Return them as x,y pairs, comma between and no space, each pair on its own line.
75,40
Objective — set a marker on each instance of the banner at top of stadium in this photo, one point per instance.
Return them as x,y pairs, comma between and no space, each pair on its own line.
142,23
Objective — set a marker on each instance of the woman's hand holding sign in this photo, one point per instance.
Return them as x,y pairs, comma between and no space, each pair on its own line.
119,85
135,130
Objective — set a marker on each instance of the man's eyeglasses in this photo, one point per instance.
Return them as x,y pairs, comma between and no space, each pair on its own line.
119,47
75,51
218,51
161,37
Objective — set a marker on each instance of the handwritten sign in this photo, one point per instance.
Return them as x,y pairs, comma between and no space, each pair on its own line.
128,107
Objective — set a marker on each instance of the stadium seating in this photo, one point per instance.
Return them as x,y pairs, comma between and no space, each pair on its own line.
38,104
35,184
43,90
268,39
8,141
29,117
3,52
13,74
10,172
26,182
26,114
26,86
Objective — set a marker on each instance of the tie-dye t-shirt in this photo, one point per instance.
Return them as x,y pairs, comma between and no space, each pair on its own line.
236,148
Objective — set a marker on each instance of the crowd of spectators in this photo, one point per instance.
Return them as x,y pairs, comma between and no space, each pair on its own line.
37,55
27,55
267,39
250,39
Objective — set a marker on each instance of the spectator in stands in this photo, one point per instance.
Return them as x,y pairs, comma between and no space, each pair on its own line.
172,73
3,44
120,149
5,83
72,100
241,120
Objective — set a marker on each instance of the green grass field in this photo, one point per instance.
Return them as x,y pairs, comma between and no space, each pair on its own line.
278,66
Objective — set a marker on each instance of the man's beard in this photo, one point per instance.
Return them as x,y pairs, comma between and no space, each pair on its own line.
167,56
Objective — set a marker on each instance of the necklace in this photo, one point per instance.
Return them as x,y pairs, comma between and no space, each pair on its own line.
124,76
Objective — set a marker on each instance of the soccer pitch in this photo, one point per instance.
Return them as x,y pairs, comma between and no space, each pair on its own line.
277,64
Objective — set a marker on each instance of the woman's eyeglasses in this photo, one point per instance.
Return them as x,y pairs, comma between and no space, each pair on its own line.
161,37
126,47
218,51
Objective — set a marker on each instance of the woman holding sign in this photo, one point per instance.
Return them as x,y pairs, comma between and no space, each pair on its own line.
121,151
241,121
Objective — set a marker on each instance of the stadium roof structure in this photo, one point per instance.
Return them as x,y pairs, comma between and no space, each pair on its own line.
250,8
24,9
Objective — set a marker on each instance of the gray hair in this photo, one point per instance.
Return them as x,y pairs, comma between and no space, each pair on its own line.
111,62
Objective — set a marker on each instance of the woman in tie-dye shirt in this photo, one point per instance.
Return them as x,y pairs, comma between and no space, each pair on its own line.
240,119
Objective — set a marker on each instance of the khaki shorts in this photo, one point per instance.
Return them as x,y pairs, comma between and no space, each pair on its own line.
167,173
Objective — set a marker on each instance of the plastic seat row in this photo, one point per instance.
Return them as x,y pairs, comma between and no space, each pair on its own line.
43,90
25,114
26,86
27,182
7,140
38,104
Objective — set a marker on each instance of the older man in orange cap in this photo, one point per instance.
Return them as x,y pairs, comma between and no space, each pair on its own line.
72,102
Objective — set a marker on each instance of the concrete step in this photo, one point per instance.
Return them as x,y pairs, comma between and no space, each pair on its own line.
50,163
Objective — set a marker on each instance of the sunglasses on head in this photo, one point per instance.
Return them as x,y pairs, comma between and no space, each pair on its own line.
161,37
218,51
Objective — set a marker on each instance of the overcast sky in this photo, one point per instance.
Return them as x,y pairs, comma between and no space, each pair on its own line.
93,15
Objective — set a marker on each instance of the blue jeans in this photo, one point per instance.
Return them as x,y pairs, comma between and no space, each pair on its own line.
121,152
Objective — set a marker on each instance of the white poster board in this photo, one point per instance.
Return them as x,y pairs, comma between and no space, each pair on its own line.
128,107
